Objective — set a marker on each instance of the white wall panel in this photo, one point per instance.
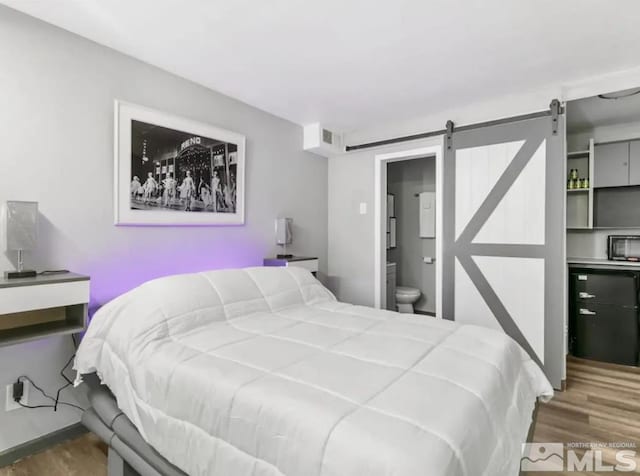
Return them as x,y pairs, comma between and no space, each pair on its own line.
477,171
519,217
470,306
519,283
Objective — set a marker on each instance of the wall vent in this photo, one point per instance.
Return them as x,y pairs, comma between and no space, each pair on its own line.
327,136
322,141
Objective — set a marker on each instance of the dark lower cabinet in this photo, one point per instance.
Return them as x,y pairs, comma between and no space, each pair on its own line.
603,310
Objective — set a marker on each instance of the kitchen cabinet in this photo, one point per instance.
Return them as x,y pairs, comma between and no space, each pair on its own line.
603,315
634,162
391,287
611,165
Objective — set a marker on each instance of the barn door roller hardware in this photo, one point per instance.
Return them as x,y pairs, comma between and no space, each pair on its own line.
449,130
555,110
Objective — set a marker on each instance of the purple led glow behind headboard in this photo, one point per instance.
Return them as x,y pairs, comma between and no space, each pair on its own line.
116,274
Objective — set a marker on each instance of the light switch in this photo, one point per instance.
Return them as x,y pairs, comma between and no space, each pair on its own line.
363,208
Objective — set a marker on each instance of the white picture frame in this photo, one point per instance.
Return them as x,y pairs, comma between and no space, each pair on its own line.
176,201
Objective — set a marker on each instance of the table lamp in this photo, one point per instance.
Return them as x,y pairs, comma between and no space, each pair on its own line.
283,235
21,233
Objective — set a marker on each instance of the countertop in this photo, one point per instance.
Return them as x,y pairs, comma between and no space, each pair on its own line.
42,279
603,262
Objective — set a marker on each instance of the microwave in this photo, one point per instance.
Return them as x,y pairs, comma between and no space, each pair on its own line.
623,248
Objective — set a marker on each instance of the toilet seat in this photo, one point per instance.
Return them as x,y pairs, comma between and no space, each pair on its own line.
406,291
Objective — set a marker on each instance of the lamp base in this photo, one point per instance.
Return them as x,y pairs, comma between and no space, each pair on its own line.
284,256
25,273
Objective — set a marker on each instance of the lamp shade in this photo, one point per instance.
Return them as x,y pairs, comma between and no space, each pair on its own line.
21,225
283,231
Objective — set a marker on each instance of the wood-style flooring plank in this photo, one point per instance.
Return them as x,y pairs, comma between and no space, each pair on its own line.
84,456
601,403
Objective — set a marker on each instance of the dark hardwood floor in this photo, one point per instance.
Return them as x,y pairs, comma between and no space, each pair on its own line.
84,456
601,404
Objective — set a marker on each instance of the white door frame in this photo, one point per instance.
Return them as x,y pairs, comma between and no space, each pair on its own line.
430,148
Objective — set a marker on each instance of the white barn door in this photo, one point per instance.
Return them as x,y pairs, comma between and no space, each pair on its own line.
503,237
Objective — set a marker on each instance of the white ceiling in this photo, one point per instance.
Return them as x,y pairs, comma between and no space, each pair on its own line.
586,114
356,63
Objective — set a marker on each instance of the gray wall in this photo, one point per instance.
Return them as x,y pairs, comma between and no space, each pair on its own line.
56,127
593,243
351,234
405,179
351,245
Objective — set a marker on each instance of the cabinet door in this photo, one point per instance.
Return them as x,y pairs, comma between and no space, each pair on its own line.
615,288
634,162
391,292
611,164
606,333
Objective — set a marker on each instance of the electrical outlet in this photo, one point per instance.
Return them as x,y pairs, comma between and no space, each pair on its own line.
10,404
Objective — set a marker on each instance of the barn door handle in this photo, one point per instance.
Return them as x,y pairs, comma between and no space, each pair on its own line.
586,312
584,295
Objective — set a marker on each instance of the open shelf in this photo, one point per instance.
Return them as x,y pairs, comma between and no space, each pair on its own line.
37,331
43,306
36,324
577,154
580,200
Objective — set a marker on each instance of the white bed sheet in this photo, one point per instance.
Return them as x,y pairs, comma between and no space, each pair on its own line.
262,372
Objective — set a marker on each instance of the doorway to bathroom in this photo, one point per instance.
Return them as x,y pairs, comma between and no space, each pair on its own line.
408,224
411,236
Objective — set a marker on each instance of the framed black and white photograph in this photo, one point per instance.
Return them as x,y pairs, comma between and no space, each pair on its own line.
174,171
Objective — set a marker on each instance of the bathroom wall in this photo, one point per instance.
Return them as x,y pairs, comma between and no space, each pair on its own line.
405,179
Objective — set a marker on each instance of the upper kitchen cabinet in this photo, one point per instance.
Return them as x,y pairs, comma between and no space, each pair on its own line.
634,162
611,164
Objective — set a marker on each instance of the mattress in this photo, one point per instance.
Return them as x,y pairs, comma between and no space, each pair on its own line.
261,371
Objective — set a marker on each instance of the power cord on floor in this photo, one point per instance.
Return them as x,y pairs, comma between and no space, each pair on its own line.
56,401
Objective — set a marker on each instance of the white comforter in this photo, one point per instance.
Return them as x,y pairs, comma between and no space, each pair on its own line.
262,372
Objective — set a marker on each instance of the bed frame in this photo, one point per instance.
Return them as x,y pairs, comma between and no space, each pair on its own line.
129,454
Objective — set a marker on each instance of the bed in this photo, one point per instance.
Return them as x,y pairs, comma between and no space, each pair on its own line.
261,371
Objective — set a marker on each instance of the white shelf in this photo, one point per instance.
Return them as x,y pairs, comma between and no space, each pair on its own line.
34,308
580,200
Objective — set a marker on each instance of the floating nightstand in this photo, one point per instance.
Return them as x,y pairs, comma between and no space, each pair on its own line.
44,306
310,263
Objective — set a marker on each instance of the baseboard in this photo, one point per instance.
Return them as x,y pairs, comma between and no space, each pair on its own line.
424,313
37,445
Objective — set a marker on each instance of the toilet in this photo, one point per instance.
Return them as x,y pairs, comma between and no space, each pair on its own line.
405,297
